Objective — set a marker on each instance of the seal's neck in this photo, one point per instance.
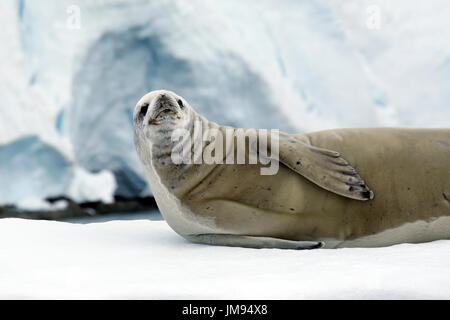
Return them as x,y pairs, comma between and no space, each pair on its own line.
177,157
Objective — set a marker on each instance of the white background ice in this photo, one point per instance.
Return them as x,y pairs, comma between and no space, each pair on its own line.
292,65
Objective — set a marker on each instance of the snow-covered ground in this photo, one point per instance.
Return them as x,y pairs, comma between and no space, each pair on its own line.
146,259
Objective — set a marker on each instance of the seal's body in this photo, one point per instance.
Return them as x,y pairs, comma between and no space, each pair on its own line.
408,170
316,198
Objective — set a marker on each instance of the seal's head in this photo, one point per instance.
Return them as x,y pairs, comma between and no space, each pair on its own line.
156,116
161,110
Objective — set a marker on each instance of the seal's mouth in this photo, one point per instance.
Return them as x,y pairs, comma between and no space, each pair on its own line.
162,114
165,108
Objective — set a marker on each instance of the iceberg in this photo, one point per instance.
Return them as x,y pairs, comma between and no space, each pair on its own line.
32,170
72,72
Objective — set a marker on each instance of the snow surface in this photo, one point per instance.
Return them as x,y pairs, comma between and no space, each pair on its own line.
291,65
146,259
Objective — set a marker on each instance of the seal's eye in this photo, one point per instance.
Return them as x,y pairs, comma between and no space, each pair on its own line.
143,111
180,103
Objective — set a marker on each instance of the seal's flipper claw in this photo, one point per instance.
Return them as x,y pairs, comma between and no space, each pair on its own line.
308,245
324,167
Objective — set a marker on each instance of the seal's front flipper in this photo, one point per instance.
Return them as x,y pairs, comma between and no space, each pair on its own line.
230,240
324,167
